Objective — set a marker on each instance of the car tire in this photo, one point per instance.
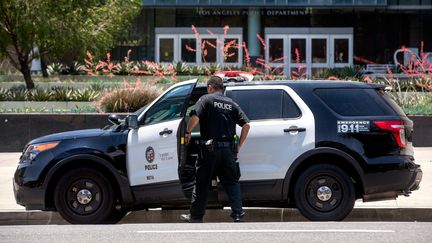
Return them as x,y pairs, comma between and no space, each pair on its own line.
324,192
85,196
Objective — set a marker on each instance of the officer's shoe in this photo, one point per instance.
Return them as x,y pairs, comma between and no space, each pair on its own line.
189,219
238,217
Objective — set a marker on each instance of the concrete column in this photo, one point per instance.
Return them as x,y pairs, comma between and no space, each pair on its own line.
254,27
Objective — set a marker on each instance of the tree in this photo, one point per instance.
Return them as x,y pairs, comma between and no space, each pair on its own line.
57,27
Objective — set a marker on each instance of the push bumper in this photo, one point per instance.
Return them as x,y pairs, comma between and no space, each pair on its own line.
32,198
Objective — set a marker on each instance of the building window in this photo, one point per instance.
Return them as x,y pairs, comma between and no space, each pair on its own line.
276,51
309,51
319,50
231,50
298,50
183,45
166,50
188,50
209,50
341,50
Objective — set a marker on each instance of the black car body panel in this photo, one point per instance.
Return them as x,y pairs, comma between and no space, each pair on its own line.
105,147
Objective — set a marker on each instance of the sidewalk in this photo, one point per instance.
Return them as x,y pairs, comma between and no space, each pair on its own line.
416,207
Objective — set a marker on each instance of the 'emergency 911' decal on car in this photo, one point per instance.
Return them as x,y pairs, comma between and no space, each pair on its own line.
353,126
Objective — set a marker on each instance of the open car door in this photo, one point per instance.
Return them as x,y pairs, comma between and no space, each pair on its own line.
153,148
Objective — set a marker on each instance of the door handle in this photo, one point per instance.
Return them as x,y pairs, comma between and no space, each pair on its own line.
165,131
295,129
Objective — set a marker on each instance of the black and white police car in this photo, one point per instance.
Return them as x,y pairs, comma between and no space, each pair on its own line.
314,145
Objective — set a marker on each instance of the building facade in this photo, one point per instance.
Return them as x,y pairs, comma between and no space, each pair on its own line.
315,33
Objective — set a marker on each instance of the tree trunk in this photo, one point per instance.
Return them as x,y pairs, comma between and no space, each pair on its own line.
44,65
26,72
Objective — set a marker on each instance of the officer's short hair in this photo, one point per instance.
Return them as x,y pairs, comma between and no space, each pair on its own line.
216,82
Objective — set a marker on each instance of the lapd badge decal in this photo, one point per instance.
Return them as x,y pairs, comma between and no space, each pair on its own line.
150,155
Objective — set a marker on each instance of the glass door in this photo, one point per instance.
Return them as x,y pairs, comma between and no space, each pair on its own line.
342,51
166,49
188,49
319,51
276,54
299,56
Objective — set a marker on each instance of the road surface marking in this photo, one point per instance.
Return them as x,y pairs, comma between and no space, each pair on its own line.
268,231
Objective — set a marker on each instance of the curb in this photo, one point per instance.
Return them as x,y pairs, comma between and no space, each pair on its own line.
252,215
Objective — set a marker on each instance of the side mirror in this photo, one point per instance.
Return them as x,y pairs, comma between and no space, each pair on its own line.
132,121
114,119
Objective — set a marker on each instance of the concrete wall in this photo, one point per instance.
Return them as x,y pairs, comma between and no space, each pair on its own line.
18,129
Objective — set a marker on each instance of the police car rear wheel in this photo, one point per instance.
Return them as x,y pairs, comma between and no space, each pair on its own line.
85,196
324,192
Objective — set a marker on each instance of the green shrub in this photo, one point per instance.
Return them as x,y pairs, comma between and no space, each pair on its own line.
198,70
62,94
18,95
86,95
419,109
4,94
56,68
39,95
351,73
123,68
75,69
128,99
182,68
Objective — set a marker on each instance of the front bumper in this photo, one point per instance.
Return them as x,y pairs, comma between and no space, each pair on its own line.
32,198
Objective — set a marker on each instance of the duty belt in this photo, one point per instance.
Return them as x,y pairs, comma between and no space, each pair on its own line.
218,144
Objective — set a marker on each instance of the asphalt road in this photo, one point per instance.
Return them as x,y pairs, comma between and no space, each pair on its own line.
224,232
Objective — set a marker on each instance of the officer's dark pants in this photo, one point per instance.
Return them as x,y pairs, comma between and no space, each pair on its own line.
221,161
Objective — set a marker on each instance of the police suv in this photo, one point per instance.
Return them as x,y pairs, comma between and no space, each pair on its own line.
314,145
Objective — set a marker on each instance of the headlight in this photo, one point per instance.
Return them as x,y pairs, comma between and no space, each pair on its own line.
34,149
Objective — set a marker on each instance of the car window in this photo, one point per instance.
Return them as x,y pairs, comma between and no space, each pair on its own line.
354,102
265,104
169,107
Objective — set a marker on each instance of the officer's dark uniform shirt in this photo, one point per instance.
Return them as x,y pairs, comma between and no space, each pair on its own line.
218,116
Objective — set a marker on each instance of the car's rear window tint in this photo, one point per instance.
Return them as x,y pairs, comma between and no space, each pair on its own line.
355,102
265,104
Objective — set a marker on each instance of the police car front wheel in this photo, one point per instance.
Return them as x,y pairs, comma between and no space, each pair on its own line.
85,196
324,192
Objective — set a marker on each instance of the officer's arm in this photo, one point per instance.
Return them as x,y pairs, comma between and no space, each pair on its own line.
194,120
244,133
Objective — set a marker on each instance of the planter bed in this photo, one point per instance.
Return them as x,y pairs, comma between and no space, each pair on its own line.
61,105
18,129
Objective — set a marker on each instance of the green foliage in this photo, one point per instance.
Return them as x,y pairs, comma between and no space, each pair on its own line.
198,70
181,68
39,95
62,94
56,69
86,95
4,94
349,73
213,68
419,109
75,69
61,26
19,93
84,109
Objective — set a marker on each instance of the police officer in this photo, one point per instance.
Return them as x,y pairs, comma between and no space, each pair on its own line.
217,116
